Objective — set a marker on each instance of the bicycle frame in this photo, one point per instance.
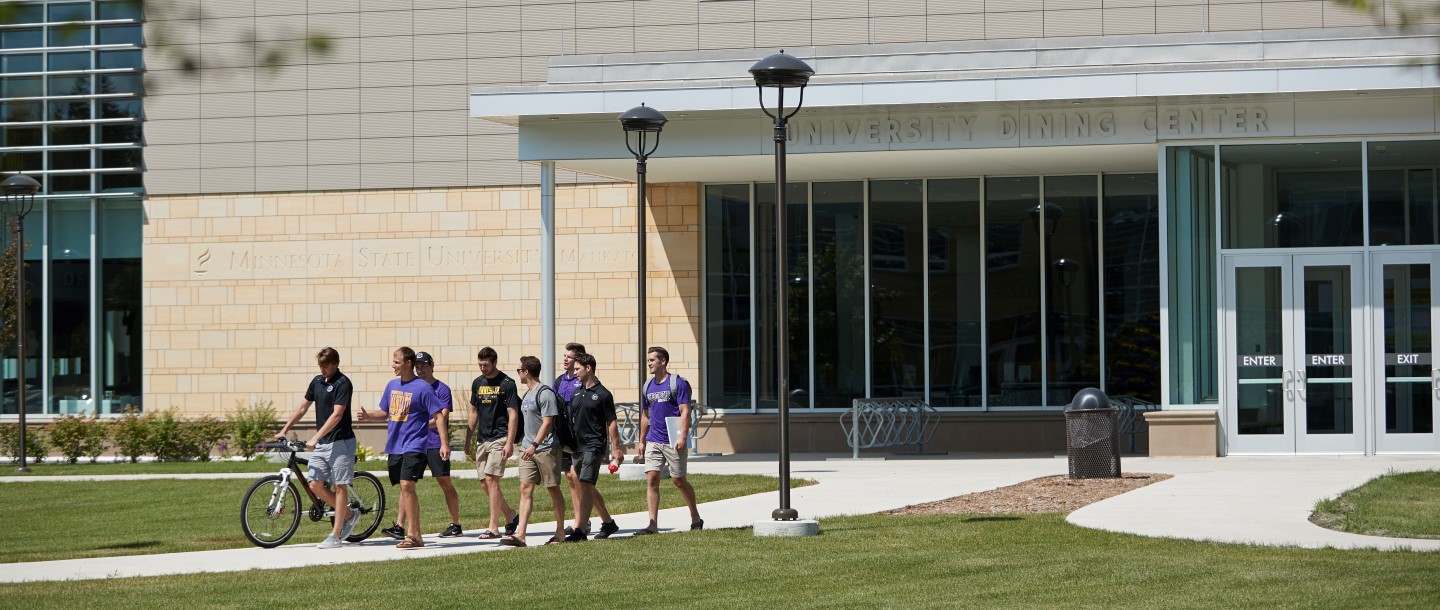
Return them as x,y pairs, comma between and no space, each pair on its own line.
318,509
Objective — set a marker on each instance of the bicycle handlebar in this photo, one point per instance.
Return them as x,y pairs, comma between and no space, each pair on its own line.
295,446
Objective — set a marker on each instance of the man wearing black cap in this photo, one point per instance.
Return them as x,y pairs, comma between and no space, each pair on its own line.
439,466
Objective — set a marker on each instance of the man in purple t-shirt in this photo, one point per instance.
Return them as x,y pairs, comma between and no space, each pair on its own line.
409,405
439,467
661,451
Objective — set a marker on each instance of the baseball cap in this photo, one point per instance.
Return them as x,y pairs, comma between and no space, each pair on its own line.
424,358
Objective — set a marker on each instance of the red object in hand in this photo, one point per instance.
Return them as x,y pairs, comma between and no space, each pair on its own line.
614,467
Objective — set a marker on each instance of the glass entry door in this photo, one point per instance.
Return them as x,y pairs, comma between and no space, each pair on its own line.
1292,326
1408,386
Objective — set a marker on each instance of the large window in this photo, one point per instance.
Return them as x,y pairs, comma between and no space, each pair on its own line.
967,292
70,91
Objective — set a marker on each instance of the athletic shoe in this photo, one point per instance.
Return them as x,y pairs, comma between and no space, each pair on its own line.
698,525
452,531
607,528
576,536
569,530
350,523
394,531
331,542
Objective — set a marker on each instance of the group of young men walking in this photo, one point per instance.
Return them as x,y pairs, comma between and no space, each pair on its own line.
416,406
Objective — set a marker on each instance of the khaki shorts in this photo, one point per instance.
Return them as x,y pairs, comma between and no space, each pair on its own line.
544,469
490,458
658,455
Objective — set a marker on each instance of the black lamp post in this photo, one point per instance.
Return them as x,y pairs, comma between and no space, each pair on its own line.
20,190
642,121
781,72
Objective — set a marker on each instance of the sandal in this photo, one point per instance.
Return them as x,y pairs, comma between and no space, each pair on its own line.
512,525
554,541
645,532
487,535
410,543
512,541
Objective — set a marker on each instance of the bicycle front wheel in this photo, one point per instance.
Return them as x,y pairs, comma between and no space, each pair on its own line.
368,497
270,512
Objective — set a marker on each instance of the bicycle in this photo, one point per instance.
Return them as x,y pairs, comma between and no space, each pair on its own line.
270,512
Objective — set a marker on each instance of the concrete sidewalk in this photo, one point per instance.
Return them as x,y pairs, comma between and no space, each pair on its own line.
1235,499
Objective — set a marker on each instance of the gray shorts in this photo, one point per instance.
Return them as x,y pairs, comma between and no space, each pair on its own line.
334,463
661,455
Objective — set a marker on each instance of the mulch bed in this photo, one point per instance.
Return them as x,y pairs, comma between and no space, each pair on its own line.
1057,494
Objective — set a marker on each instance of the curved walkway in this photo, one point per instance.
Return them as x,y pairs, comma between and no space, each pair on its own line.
1235,499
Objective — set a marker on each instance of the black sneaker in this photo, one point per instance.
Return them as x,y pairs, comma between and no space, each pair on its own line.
569,530
698,525
452,531
394,531
606,529
576,536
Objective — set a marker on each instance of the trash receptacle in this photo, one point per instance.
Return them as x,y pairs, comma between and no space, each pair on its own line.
1092,436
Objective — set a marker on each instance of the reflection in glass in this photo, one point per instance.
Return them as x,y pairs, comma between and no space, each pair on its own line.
1072,287
727,296
69,303
796,272
34,302
1259,361
1403,197
955,296
1409,347
839,323
1012,295
1292,195
1190,185
120,321
1329,387
1132,286
897,288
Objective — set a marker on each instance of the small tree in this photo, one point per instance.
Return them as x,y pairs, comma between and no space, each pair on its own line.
199,437
131,433
68,435
37,444
10,441
97,439
251,425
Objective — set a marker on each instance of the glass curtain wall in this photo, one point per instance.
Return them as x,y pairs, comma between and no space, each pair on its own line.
969,292
1404,206
70,110
1194,349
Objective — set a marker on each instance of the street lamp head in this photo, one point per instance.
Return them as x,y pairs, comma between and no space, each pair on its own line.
643,118
781,71
20,184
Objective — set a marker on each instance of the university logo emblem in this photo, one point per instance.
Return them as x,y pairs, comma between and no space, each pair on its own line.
200,262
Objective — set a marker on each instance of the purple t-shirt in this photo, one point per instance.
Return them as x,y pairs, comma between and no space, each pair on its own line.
410,406
566,385
664,403
442,392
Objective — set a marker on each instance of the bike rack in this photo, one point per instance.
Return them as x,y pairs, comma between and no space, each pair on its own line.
874,423
701,420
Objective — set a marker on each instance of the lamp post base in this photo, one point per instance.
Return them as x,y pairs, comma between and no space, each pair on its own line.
787,529
23,469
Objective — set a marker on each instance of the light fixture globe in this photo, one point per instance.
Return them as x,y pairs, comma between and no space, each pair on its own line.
20,184
781,71
644,119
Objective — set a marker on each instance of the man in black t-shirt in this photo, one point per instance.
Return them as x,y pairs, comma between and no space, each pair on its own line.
592,418
333,443
495,411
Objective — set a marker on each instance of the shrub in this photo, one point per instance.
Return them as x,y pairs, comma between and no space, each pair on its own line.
164,439
37,446
251,425
10,441
199,437
364,452
96,439
131,433
68,435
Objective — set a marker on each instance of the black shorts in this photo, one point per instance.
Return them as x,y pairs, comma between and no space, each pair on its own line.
407,467
587,466
565,461
438,467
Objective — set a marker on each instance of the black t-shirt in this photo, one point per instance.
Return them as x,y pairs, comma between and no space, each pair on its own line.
326,393
591,410
492,399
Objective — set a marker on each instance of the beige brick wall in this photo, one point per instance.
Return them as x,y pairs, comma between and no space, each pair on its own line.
240,291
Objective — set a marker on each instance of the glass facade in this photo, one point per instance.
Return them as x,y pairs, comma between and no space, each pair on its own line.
968,292
71,83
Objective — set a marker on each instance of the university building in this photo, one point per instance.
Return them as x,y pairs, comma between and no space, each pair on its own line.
1229,209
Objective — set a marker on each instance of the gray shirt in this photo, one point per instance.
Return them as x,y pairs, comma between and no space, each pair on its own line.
534,415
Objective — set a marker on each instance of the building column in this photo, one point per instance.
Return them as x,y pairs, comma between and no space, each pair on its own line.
547,268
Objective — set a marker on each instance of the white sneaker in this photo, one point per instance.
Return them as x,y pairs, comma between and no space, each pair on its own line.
349,526
331,542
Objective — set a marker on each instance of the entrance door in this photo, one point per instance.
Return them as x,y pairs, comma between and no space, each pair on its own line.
1292,323
1405,323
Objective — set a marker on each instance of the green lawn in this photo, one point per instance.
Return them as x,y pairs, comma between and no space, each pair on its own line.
66,520
858,562
83,468
1404,505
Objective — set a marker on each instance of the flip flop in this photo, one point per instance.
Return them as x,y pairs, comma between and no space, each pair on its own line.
512,525
487,535
512,541
410,543
645,532
554,541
